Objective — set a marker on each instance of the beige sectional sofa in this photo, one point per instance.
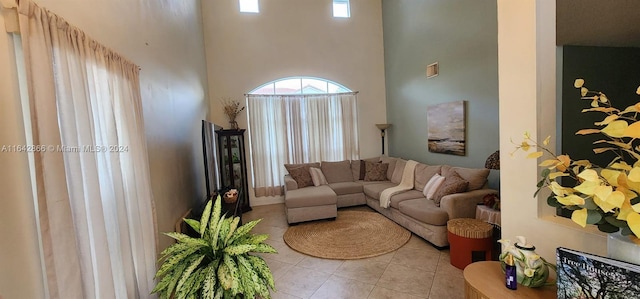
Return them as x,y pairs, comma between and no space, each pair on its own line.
345,187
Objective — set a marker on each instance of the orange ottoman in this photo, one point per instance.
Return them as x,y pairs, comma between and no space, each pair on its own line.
467,238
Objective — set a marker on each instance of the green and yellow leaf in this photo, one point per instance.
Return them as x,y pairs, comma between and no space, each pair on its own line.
632,130
578,83
204,220
580,217
587,187
534,155
554,175
633,219
587,131
589,175
607,120
570,200
634,174
616,129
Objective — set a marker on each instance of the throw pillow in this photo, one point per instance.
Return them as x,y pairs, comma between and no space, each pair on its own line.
375,171
317,176
362,170
337,172
432,186
453,183
302,176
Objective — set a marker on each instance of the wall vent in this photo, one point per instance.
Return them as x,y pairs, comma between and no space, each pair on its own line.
432,70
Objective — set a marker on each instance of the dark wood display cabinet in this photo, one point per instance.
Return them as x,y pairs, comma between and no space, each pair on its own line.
233,165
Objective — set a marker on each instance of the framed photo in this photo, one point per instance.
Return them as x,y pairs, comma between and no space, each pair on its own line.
447,128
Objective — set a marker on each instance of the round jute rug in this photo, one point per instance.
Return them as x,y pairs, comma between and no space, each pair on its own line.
353,235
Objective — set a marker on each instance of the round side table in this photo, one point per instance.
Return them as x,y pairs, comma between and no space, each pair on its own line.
485,280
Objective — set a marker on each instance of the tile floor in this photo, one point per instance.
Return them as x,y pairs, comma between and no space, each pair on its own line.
416,270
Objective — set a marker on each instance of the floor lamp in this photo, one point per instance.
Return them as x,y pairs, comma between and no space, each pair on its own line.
382,128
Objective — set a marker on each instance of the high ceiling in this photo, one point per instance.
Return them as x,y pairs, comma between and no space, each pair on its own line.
614,23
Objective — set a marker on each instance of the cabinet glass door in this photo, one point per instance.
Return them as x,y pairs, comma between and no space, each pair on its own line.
233,166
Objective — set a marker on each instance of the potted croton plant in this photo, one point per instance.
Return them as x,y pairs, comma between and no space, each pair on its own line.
607,196
216,264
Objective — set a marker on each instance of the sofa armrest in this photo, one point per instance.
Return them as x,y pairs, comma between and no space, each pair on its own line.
289,183
463,205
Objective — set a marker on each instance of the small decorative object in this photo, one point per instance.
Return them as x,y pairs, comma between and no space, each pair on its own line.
510,272
603,196
446,128
232,109
492,200
532,270
230,196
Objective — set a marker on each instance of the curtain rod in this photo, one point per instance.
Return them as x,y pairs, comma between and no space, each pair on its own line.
11,23
298,94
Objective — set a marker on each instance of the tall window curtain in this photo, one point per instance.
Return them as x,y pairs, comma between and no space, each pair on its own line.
94,199
298,129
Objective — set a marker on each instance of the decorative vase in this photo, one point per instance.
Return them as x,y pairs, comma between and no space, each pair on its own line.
621,248
230,196
233,124
531,269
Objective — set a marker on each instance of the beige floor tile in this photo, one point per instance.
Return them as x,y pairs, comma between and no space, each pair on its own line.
364,270
385,258
445,267
274,232
384,293
416,258
301,282
285,254
409,280
282,295
419,243
405,273
278,268
447,286
338,287
319,264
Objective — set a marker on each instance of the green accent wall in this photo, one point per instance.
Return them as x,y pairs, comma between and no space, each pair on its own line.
462,36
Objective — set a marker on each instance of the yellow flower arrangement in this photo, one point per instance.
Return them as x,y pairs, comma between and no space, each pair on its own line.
609,196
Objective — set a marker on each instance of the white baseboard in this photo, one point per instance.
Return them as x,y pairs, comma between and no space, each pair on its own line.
266,200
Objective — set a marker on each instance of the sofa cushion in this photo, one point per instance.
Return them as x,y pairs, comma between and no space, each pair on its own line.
392,165
358,168
375,171
337,172
374,190
432,186
396,199
396,177
302,176
307,165
310,197
346,188
453,183
317,176
424,210
477,177
423,175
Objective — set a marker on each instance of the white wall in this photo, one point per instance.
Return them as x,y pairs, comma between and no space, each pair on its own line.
297,38
165,39
527,80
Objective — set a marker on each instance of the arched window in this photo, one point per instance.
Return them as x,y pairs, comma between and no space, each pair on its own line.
299,120
300,85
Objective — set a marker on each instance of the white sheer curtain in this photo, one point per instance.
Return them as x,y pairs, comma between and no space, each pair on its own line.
297,129
94,199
